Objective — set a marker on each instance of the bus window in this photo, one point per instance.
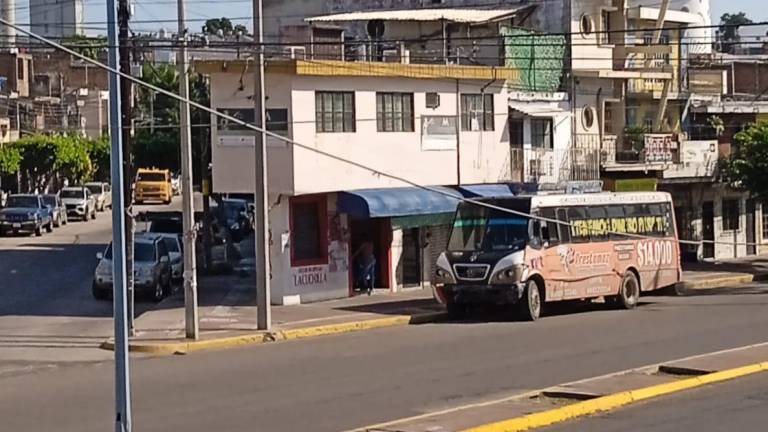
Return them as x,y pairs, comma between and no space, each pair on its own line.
564,230
550,230
617,222
577,216
598,224
481,229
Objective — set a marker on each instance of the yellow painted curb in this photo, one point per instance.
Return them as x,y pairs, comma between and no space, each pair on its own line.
716,282
182,347
609,402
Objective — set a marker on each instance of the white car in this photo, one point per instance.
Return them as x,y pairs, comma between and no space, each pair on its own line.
102,194
175,248
79,202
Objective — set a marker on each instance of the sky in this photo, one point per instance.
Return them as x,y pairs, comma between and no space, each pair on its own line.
199,10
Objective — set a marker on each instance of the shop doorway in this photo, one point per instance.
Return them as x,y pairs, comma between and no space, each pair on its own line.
409,269
708,228
378,232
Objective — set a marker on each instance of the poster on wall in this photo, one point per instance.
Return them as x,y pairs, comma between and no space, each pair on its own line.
659,147
438,133
338,241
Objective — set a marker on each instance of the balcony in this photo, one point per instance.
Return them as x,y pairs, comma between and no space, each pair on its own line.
652,152
536,165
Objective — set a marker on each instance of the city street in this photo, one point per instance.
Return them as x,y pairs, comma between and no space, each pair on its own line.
734,406
349,381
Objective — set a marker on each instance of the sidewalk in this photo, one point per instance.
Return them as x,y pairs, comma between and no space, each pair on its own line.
227,314
723,273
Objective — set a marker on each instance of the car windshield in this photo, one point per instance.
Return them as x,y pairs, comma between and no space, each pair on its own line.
171,226
142,252
171,244
151,177
71,193
49,200
22,202
95,189
482,229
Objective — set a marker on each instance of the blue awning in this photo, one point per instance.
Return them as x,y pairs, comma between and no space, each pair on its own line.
497,190
395,202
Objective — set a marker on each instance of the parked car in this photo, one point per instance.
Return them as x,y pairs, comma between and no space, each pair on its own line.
25,213
102,194
79,202
152,269
175,248
58,210
153,185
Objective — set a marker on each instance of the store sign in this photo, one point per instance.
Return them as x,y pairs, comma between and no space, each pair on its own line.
438,132
659,147
635,185
309,276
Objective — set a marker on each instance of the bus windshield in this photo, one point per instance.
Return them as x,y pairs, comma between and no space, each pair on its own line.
482,229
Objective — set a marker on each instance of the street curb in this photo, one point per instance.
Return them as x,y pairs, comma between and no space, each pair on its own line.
720,282
613,401
183,347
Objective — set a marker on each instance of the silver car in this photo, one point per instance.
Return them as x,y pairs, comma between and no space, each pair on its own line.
102,194
175,251
79,202
59,211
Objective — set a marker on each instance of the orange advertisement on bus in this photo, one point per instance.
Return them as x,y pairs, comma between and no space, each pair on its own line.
528,251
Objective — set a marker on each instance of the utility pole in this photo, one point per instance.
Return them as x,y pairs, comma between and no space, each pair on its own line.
264,319
126,104
188,203
119,261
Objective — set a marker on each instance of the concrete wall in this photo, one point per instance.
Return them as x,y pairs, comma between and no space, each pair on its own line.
56,18
587,51
73,74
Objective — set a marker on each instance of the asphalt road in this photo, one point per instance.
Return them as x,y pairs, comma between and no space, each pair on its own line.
341,382
725,407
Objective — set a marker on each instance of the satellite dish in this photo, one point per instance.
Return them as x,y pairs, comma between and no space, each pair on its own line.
375,28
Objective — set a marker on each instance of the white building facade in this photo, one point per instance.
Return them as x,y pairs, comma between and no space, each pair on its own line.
56,18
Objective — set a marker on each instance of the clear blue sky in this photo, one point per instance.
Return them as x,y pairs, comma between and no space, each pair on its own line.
202,9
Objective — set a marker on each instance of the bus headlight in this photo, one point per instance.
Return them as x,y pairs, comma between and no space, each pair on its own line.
508,275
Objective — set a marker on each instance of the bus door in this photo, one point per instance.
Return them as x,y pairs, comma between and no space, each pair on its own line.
552,237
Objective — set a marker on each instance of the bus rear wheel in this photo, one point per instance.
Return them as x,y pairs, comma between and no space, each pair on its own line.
629,292
529,308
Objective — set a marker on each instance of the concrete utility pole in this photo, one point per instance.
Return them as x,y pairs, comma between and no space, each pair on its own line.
188,208
263,306
120,287
126,102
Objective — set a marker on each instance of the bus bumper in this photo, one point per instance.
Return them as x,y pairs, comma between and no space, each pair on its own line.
482,294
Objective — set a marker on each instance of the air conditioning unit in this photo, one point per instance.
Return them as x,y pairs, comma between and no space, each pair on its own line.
432,100
296,52
390,56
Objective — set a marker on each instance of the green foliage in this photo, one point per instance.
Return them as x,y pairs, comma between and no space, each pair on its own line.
635,136
42,158
10,160
747,167
729,28
213,25
99,152
87,46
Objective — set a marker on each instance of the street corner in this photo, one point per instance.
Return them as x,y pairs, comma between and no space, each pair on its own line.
691,286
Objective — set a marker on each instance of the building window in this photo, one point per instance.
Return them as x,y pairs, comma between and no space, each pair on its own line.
335,111
308,231
585,25
277,120
765,220
247,115
605,27
394,112
608,127
541,133
730,215
588,117
648,124
20,66
477,112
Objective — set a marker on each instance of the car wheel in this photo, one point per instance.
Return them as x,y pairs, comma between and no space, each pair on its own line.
99,294
49,227
93,214
629,292
159,292
38,231
529,308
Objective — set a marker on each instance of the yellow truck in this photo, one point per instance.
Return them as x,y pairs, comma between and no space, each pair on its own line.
153,185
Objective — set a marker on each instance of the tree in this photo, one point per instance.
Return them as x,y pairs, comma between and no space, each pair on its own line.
240,29
213,25
10,160
87,46
729,29
747,167
99,152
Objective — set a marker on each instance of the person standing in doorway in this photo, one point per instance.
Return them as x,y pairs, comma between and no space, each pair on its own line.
365,266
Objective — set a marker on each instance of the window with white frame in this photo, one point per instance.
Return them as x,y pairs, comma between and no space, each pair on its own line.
541,133
477,112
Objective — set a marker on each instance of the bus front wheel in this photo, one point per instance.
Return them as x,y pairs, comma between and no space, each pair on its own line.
629,292
530,302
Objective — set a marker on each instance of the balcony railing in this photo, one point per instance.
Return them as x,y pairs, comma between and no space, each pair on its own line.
536,165
655,149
